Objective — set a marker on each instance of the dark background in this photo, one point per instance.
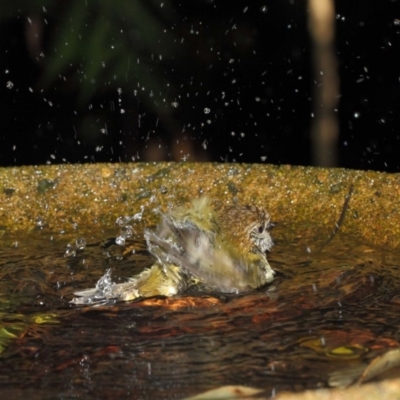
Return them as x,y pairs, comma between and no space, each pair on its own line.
100,81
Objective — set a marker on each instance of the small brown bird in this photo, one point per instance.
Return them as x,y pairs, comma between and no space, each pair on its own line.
198,248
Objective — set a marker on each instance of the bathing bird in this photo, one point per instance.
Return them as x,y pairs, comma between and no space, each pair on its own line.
200,247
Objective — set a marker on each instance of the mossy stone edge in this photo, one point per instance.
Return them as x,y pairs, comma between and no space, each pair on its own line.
62,197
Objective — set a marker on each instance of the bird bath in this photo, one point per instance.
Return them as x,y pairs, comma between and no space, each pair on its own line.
333,305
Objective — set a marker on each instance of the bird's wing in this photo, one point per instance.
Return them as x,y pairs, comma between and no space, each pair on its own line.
199,255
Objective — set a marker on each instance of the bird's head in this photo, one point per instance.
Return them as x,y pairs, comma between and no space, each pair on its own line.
247,227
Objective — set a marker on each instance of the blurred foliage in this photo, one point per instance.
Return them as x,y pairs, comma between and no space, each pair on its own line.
92,45
17,8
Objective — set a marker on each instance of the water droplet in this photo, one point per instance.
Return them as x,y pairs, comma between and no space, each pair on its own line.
70,251
80,243
122,111
40,222
126,232
264,9
122,221
314,287
356,115
138,216
120,241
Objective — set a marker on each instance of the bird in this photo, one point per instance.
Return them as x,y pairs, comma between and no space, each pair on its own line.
200,247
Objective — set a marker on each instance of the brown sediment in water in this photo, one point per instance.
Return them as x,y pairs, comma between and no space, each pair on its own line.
61,197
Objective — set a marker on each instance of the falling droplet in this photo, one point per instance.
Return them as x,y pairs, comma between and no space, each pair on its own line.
80,243
122,221
126,232
163,189
70,251
120,241
40,222
138,216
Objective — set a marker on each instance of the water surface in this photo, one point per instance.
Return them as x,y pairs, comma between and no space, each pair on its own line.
331,307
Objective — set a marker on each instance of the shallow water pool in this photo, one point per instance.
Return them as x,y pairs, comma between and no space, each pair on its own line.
332,306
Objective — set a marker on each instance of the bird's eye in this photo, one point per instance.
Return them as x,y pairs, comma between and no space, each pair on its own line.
261,229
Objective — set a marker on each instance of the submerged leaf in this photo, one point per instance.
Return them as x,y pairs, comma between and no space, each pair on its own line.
380,364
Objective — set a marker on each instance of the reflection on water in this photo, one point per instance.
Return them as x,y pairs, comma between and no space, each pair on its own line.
327,310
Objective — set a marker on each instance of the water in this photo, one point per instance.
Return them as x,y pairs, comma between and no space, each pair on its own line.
331,307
